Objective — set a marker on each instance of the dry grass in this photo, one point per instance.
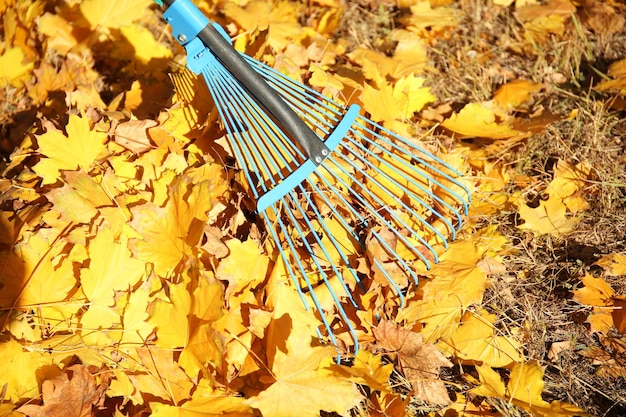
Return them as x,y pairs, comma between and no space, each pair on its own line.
536,292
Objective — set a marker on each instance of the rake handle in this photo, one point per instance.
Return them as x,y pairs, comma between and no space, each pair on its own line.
262,93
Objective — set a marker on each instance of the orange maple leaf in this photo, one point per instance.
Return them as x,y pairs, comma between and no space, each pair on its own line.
608,308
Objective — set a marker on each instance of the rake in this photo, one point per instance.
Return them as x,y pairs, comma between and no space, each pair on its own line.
332,187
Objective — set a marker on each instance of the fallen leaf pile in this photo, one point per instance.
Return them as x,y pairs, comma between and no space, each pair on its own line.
134,278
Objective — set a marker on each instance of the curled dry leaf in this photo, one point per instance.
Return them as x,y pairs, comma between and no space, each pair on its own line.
133,135
72,393
420,362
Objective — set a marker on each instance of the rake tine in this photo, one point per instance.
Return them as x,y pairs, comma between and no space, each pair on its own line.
330,184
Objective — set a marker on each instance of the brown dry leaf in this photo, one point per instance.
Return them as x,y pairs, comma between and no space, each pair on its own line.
133,135
73,393
382,263
602,17
609,365
556,348
214,245
610,357
420,362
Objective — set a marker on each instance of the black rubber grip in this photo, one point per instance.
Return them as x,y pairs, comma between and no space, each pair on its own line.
309,142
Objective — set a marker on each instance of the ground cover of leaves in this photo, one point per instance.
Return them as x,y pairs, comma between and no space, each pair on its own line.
135,280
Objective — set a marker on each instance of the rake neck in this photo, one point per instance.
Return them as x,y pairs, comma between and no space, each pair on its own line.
187,18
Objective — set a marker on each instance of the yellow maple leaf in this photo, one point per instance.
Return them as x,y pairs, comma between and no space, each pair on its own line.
439,318
142,46
367,369
169,233
515,93
111,268
477,120
135,320
567,183
523,390
205,402
458,274
113,14
281,18
80,148
13,70
457,282
550,217
170,317
617,70
423,15
244,268
491,383
207,298
525,387
204,346
476,340
299,387
377,66
613,264
411,52
159,375
598,294
21,370
387,103
35,274
61,35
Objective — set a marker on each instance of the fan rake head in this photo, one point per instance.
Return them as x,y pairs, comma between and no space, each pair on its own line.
348,204
376,196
